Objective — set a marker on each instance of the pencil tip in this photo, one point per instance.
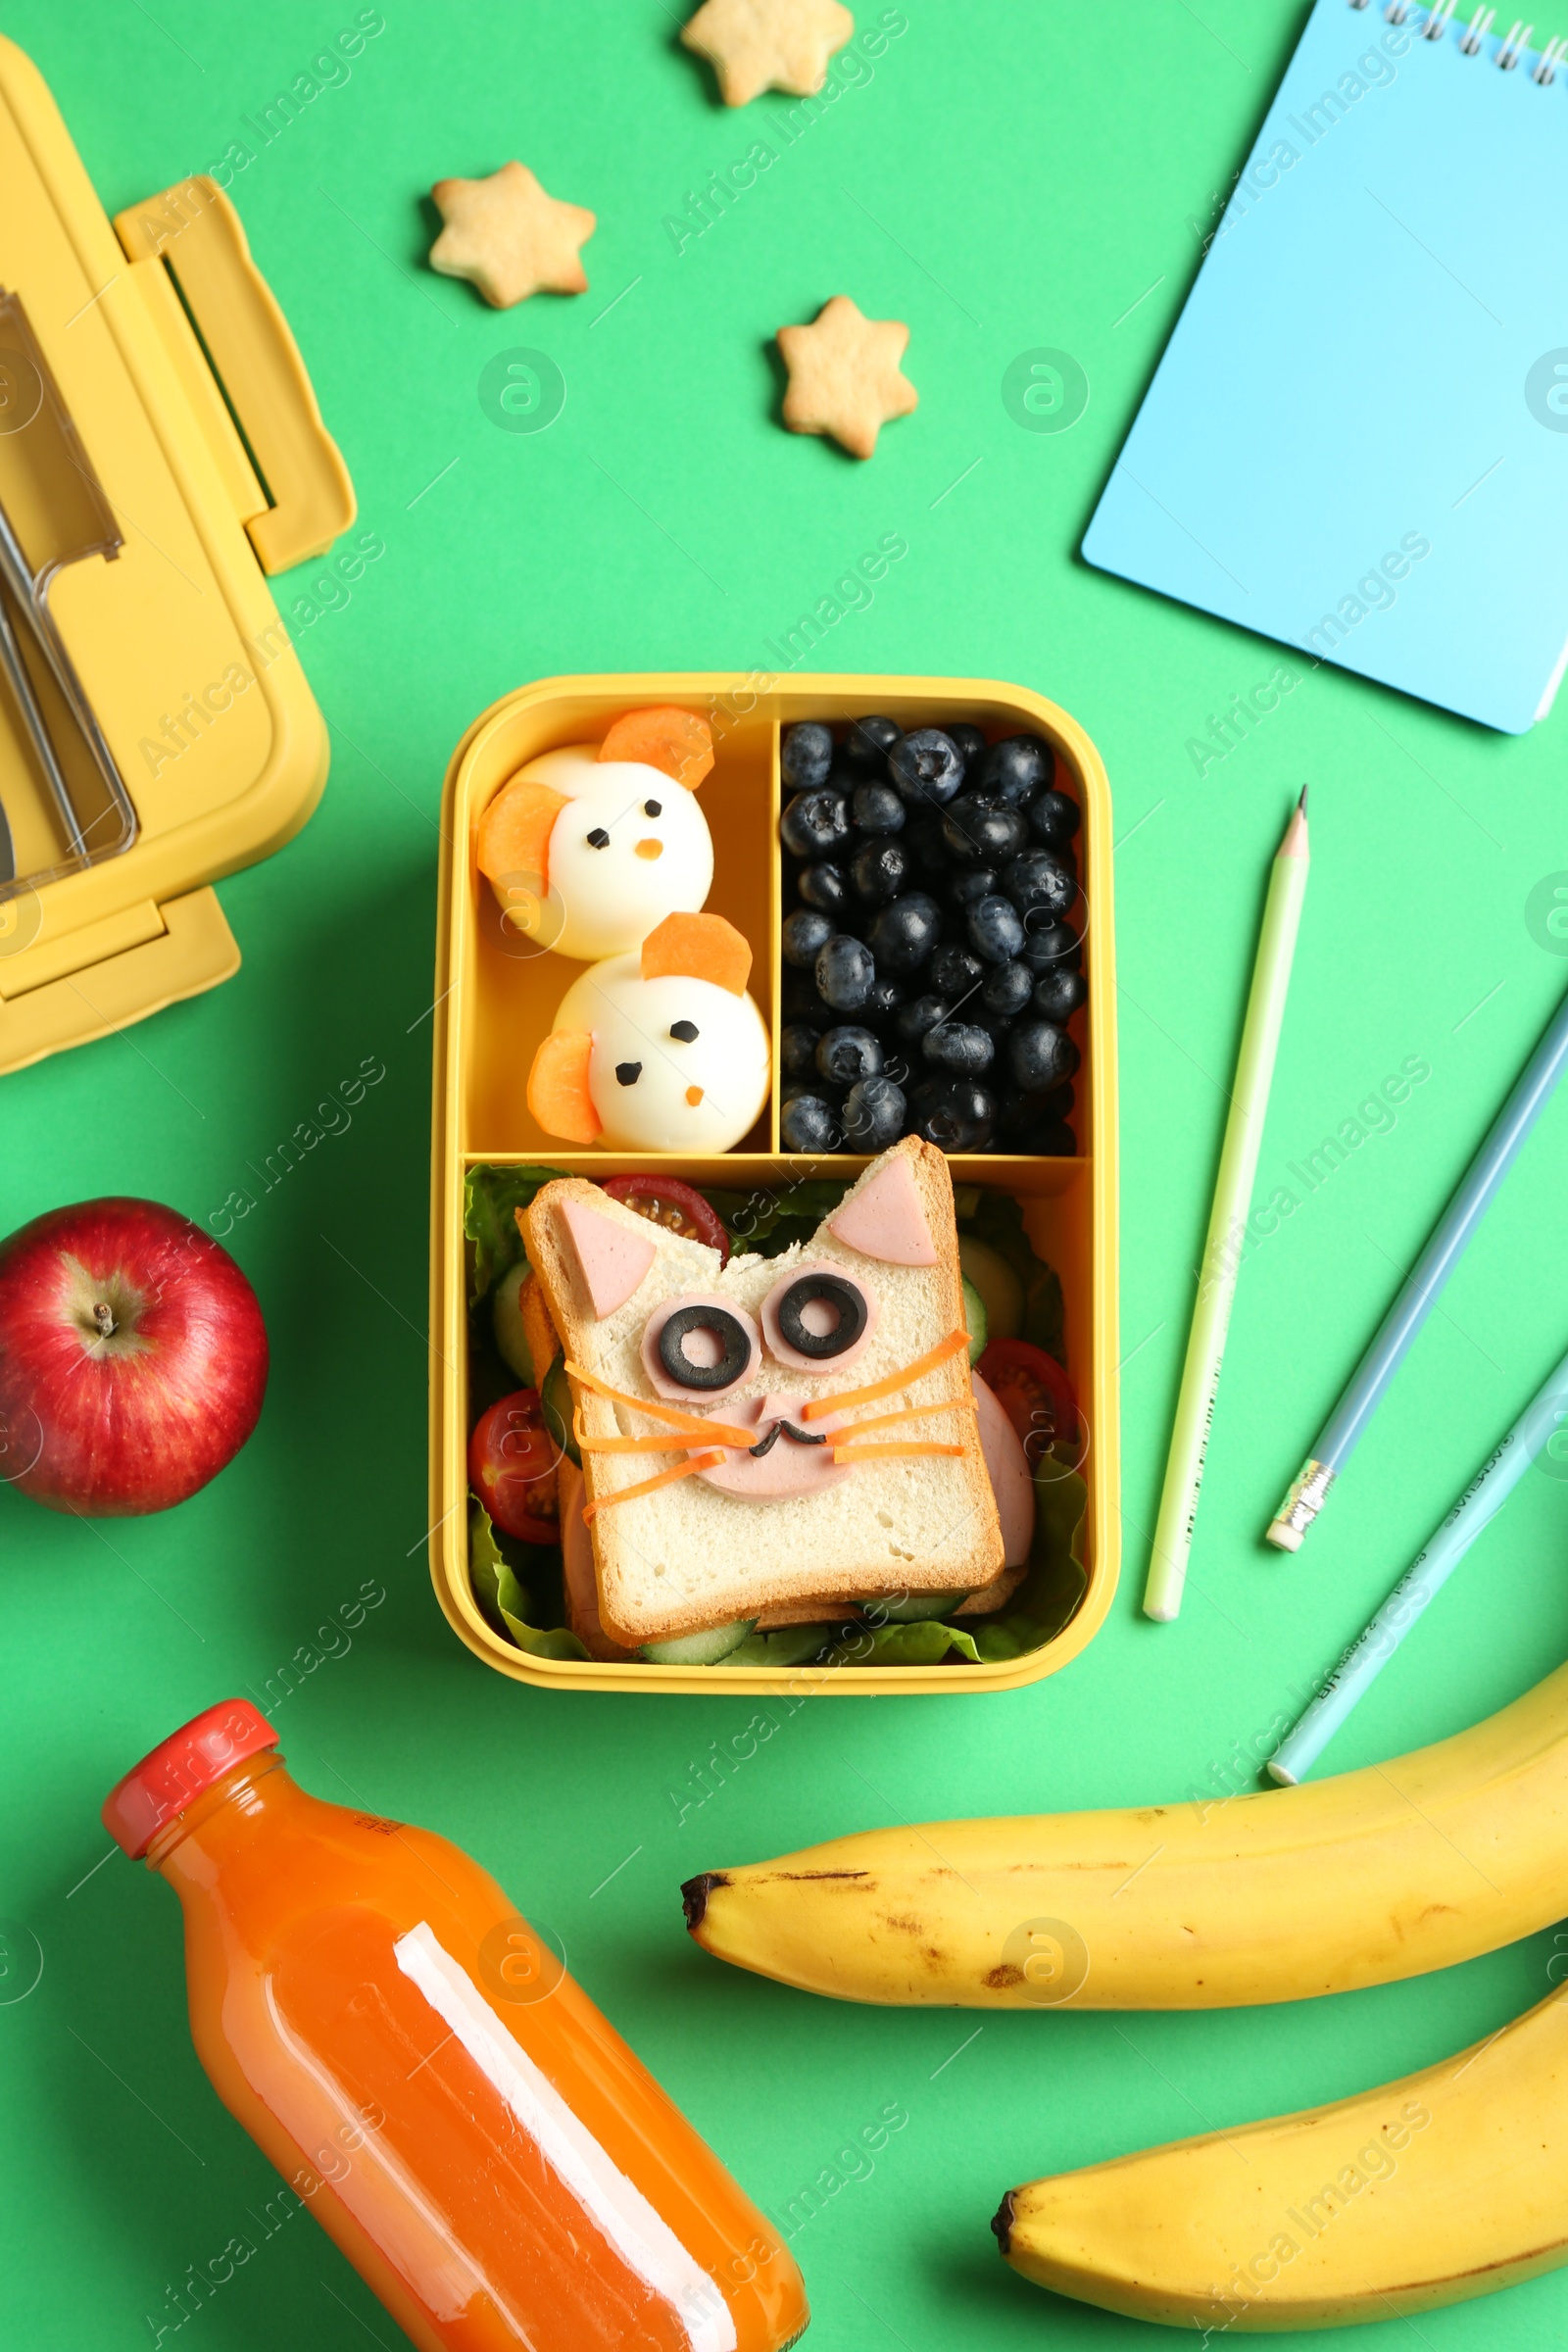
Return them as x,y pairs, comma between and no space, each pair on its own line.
1300,806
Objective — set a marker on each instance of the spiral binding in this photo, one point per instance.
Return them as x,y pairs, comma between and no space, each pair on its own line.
1441,16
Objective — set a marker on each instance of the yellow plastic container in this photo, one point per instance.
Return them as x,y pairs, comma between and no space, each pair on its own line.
148,516
496,997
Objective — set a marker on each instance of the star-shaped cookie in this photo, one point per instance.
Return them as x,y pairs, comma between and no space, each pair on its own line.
509,238
757,45
845,377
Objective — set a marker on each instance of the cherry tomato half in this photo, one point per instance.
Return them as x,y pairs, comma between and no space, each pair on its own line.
1034,1391
678,1207
512,1468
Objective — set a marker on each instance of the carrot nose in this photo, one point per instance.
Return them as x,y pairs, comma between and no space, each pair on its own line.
694,1094
650,849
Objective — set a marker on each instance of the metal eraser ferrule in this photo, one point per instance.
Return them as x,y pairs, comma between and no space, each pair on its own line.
1302,1506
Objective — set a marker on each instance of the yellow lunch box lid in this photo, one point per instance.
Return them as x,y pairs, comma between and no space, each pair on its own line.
160,450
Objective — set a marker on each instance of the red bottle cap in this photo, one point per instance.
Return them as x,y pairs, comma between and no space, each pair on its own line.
179,1768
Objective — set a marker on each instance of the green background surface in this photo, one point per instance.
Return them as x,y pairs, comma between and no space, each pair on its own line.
1013,176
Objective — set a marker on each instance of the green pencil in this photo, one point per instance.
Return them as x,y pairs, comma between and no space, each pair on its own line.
1227,1224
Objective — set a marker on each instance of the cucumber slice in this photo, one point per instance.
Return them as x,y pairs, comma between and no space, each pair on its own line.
699,1649
975,1320
555,1402
507,1324
913,1608
998,1285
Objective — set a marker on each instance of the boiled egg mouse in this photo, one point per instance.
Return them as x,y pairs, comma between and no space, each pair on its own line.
589,847
659,1050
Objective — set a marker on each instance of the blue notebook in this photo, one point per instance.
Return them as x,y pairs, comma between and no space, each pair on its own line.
1357,439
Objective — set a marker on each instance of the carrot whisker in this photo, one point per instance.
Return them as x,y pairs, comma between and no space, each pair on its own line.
651,1486
939,1354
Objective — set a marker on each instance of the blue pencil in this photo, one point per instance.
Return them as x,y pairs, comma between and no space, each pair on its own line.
1424,1578
1423,1285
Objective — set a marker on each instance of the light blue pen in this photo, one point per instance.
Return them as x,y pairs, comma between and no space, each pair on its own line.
1424,1578
1450,1238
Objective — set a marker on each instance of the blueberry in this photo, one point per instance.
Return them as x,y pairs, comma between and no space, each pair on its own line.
926,767
805,934
912,1021
824,886
1058,994
876,808
814,823
880,871
1023,1116
797,1049
959,1048
810,1123
806,754
998,1026
884,1000
1006,989
922,838
906,931
846,972
1054,819
799,999
970,883
995,929
953,1114
1038,880
1017,770
865,747
969,744
1040,1055
1047,945
954,971
848,1055
983,832
873,1114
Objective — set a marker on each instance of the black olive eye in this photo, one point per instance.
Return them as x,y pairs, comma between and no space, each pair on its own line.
652,808
733,1339
629,1072
686,1031
830,1291
599,839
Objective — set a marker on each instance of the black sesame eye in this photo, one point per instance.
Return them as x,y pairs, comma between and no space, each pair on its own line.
629,1072
652,808
831,1290
599,839
686,1031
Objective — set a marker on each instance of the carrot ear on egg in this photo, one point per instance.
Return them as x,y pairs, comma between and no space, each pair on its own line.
678,743
699,947
558,1087
514,837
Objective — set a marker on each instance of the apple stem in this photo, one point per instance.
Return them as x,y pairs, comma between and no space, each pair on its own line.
104,1316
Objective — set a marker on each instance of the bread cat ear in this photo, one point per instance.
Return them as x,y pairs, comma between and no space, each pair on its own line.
558,1087
678,743
699,947
515,834
612,1259
886,1218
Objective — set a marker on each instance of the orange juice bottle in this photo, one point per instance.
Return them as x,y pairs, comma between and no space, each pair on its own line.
416,2061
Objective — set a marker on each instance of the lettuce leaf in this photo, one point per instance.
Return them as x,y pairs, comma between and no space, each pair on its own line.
996,1218
1052,1592
767,1221
925,1643
502,1599
491,1197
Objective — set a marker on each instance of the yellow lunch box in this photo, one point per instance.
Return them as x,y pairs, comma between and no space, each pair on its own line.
160,450
496,997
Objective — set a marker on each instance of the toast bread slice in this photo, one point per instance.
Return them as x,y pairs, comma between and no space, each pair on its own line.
690,1555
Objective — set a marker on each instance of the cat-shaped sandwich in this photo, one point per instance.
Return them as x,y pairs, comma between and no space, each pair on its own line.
783,1430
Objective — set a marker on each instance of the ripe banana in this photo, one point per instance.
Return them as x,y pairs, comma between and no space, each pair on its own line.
1428,2191
1376,1874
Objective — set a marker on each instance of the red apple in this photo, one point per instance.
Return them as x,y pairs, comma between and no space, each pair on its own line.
132,1359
